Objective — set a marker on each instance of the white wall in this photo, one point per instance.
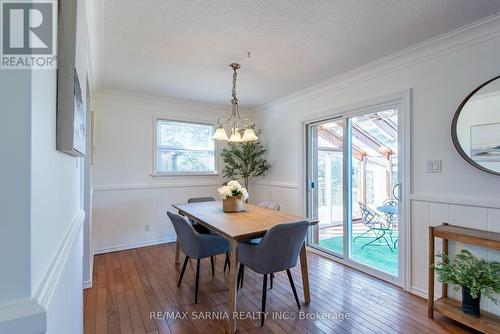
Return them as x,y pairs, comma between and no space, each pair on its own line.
56,206
15,140
440,74
55,180
125,195
48,201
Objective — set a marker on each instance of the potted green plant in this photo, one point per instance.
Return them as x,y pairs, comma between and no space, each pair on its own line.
475,276
245,161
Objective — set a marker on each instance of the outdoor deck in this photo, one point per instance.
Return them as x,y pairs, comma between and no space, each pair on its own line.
377,255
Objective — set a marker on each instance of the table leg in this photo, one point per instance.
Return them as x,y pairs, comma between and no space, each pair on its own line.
430,296
232,286
305,273
177,252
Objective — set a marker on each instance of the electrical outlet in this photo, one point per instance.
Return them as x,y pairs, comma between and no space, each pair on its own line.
147,228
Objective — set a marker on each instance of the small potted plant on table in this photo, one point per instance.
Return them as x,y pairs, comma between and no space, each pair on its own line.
233,195
475,276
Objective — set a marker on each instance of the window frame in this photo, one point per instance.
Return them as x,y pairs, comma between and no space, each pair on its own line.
157,173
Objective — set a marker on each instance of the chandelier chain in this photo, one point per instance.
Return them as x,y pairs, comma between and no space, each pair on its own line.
233,92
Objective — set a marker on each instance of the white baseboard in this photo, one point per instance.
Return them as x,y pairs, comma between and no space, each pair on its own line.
419,292
133,245
87,284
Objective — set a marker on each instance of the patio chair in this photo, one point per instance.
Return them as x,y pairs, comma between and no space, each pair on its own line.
393,219
376,224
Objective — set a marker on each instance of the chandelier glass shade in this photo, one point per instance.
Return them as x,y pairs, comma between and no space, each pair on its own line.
235,123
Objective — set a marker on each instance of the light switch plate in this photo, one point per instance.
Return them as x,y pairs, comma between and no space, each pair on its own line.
434,166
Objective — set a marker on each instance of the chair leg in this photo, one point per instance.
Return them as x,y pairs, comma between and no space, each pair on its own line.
264,293
271,278
239,280
371,242
379,239
242,275
212,263
387,242
183,270
197,281
227,263
293,287
368,231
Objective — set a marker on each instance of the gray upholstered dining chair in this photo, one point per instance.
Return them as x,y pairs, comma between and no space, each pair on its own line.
278,251
203,230
269,205
196,245
200,228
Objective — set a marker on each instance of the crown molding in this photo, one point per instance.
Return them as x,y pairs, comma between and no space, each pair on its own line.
466,36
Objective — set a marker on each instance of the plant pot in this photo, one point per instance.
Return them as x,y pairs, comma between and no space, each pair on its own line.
470,305
232,204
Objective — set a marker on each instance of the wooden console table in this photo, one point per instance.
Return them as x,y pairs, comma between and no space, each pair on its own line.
487,322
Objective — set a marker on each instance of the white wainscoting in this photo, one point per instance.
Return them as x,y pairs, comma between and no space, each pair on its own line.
121,212
57,304
286,194
64,303
431,210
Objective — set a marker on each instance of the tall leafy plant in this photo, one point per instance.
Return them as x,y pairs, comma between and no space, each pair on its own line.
244,161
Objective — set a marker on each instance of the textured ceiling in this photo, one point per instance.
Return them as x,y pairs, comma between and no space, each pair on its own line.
181,48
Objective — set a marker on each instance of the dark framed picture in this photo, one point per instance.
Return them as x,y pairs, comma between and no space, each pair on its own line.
71,90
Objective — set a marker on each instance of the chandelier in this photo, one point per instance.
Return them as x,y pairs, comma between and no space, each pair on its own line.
235,122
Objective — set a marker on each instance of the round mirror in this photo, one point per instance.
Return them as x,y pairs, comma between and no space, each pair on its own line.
476,127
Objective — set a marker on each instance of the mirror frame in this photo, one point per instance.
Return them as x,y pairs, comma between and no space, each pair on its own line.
454,136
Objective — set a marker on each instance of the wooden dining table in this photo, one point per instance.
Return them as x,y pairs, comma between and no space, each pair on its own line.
253,222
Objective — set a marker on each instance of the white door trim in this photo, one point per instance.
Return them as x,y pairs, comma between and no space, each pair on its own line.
403,99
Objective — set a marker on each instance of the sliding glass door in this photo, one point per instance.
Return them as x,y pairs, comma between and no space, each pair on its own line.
353,188
326,185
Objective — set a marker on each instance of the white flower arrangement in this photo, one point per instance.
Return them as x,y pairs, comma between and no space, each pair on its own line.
233,188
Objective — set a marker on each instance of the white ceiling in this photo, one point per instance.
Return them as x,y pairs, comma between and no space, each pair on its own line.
181,48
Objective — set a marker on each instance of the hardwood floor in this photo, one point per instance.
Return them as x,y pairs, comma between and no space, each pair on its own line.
130,286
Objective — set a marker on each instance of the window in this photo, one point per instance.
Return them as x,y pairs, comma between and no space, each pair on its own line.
184,148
